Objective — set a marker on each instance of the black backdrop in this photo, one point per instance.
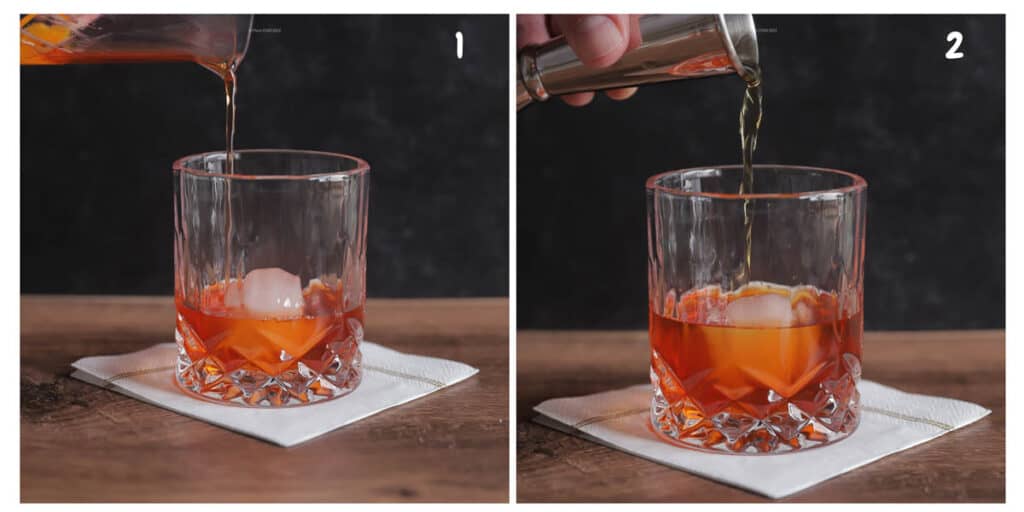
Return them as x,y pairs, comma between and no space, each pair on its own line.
97,142
871,94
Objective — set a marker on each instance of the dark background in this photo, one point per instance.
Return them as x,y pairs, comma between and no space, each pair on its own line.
874,95
97,142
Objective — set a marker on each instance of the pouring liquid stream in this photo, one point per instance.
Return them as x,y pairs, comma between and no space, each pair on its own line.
226,70
750,123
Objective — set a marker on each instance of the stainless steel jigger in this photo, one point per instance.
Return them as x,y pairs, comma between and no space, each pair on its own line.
672,47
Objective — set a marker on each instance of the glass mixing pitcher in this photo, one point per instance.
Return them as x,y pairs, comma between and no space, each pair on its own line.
218,42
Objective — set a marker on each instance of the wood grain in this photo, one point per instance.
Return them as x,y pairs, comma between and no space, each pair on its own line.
965,465
80,443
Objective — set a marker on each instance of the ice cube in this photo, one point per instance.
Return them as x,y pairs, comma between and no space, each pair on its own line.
272,292
764,310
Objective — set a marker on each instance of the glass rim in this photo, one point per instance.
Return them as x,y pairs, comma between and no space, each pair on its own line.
858,184
362,167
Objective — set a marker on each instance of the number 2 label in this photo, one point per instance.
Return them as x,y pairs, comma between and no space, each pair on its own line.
957,39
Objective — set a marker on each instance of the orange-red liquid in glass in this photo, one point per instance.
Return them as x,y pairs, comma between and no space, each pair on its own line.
274,345
705,366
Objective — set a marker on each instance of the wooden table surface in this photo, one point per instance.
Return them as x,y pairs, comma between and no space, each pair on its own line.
83,443
965,465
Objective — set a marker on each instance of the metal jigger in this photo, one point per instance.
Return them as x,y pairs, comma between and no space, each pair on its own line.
672,47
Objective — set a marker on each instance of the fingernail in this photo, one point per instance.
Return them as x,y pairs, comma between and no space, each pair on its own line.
596,37
621,94
578,99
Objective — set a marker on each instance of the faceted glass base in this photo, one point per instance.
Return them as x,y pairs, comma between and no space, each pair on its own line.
336,372
741,428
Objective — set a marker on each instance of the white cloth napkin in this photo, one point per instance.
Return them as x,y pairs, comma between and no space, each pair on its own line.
891,421
390,378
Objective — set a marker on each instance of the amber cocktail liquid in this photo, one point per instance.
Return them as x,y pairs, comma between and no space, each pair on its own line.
289,346
752,369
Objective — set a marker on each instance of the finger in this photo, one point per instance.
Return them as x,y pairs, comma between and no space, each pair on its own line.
634,32
621,94
549,21
598,40
578,99
635,37
531,29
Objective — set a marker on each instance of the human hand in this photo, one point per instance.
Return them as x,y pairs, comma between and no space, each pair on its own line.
599,40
